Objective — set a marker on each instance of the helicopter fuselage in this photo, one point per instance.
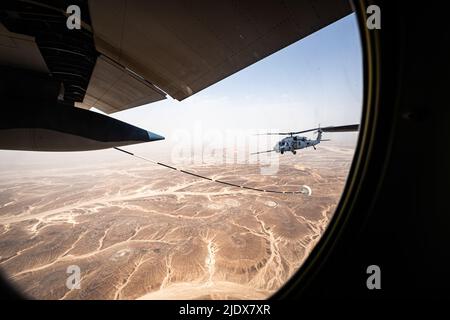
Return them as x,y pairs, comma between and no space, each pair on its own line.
293,143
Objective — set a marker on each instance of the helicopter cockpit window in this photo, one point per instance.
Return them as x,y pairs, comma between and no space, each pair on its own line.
169,218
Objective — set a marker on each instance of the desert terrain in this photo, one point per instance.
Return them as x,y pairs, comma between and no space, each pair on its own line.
145,232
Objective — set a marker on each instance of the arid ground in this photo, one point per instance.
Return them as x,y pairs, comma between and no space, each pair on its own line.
145,232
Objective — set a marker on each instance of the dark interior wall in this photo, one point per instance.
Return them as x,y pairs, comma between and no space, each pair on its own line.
400,220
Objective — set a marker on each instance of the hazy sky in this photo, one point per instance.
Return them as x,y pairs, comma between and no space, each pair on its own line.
316,80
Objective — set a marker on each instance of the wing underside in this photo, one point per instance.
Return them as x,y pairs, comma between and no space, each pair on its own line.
133,52
129,53
183,47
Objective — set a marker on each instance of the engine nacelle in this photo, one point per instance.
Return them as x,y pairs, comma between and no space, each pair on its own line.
64,128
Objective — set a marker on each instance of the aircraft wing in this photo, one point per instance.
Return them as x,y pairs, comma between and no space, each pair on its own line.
128,53
182,47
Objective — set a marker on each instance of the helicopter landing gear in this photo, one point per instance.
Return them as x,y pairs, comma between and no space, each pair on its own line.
294,152
282,151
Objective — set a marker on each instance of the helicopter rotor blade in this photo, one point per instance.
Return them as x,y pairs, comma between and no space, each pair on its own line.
267,151
346,128
273,133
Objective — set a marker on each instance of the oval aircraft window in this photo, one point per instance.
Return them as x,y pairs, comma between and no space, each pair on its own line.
250,121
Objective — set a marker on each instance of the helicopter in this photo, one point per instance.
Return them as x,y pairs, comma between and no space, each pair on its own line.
295,142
